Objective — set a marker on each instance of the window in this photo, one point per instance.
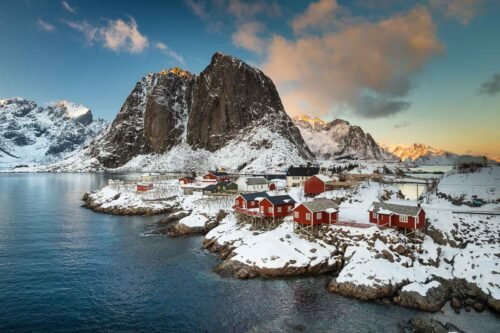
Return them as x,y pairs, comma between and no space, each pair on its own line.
416,221
279,209
375,215
403,218
318,215
296,215
289,208
270,209
308,216
262,209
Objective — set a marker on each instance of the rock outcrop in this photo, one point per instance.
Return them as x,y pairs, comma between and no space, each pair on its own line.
227,104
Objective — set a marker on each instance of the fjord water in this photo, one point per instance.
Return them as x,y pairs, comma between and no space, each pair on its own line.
67,269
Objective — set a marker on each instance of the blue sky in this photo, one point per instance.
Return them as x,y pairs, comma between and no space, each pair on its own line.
406,71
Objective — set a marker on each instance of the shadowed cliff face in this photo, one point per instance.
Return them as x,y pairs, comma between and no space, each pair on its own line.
228,96
227,100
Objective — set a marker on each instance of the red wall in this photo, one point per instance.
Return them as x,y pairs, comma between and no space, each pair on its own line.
393,220
325,217
314,186
284,209
240,202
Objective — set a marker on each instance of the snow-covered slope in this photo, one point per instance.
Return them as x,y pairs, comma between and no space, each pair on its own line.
422,154
338,139
230,115
30,133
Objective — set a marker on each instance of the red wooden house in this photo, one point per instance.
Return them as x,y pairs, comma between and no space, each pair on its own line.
143,187
317,184
394,215
186,180
213,176
316,212
276,206
249,200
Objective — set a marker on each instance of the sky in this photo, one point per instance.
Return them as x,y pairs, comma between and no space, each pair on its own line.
406,71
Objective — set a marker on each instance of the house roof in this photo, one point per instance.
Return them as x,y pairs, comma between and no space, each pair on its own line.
222,183
256,181
254,195
302,171
386,208
219,173
211,187
323,178
279,200
319,205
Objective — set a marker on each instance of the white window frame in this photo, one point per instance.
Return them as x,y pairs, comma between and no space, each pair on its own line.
319,215
308,216
262,209
289,208
296,215
279,210
270,209
403,218
375,215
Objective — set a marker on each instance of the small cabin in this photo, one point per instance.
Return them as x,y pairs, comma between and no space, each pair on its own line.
252,184
216,177
186,180
296,176
395,215
318,211
144,187
276,206
209,189
249,200
317,184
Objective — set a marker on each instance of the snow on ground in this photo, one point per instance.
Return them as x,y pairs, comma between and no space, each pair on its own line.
421,288
271,249
194,221
484,183
110,197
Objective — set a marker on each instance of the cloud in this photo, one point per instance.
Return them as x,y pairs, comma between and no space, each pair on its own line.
318,14
366,68
117,35
168,52
492,86
247,11
67,6
402,125
461,10
46,26
247,37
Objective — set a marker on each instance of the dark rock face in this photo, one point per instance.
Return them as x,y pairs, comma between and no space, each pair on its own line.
125,138
230,95
171,107
85,119
167,110
433,301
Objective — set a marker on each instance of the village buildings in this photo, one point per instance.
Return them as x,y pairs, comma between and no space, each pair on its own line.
252,184
318,211
296,176
395,215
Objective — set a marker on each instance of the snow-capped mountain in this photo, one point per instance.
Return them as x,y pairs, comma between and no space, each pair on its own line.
30,133
422,154
338,139
230,115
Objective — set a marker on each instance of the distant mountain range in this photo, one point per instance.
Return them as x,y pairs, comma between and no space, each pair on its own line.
230,116
30,133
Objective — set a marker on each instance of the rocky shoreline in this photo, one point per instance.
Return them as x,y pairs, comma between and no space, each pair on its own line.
92,203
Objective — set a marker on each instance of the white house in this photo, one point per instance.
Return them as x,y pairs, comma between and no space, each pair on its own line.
252,184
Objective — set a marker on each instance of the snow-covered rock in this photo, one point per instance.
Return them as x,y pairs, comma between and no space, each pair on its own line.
33,134
338,140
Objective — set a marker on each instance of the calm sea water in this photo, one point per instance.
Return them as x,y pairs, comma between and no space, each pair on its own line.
66,269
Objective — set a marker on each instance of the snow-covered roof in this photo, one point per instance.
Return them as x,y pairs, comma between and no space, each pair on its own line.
254,196
281,200
323,178
319,205
256,181
387,208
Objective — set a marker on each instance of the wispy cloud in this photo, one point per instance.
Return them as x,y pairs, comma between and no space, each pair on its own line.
363,67
46,26
168,52
492,86
402,125
117,35
247,37
463,11
318,15
68,7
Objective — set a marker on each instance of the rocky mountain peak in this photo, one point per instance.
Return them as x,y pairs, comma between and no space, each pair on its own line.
176,71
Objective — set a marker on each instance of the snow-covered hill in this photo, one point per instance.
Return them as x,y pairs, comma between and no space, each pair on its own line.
230,115
33,134
422,154
338,140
